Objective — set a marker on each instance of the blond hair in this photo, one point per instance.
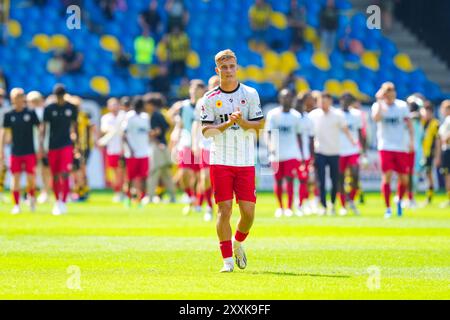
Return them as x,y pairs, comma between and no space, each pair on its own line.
34,96
224,55
15,92
445,104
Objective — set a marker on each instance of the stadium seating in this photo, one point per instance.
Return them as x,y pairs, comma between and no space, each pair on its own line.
223,28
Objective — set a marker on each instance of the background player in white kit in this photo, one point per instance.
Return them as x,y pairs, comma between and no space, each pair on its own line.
305,165
394,146
111,130
231,115
349,153
283,127
136,139
201,148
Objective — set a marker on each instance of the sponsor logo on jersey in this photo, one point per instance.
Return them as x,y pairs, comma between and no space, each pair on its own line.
13,119
55,113
219,104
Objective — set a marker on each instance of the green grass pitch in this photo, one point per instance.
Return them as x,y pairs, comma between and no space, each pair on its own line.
103,251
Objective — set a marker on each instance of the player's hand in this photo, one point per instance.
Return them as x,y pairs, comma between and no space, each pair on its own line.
411,147
236,116
380,94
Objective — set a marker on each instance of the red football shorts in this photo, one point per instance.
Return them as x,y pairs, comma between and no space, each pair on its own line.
204,161
348,161
112,160
285,169
137,168
186,160
303,169
395,161
25,163
60,160
229,180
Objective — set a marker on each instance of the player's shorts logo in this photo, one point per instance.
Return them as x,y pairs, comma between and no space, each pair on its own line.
219,104
68,113
26,118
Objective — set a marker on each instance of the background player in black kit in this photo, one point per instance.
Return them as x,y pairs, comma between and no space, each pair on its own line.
60,118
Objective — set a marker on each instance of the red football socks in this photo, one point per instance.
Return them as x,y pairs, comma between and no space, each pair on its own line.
240,236
16,195
279,193
208,196
290,192
226,248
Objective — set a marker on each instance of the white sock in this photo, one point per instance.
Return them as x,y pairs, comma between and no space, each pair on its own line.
228,261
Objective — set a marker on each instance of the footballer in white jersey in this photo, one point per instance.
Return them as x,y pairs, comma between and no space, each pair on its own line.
188,164
111,131
231,115
136,139
349,152
283,127
393,122
201,146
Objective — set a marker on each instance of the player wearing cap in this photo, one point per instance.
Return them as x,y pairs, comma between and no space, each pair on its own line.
283,127
60,119
395,140
231,114
18,126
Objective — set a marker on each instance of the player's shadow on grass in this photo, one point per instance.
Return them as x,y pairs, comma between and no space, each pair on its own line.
295,274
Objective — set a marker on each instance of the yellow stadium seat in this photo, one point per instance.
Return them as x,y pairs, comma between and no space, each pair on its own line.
370,60
289,62
403,62
334,87
100,85
14,28
271,59
193,60
153,71
134,70
278,20
42,42
254,73
310,34
109,43
351,86
321,61
241,74
301,85
58,42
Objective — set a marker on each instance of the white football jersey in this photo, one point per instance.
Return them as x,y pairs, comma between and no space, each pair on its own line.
234,146
187,117
353,118
284,127
136,128
392,133
204,143
307,133
112,126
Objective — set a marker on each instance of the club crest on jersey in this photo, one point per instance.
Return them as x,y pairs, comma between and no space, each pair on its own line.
13,119
243,101
219,104
55,113
68,112
26,118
